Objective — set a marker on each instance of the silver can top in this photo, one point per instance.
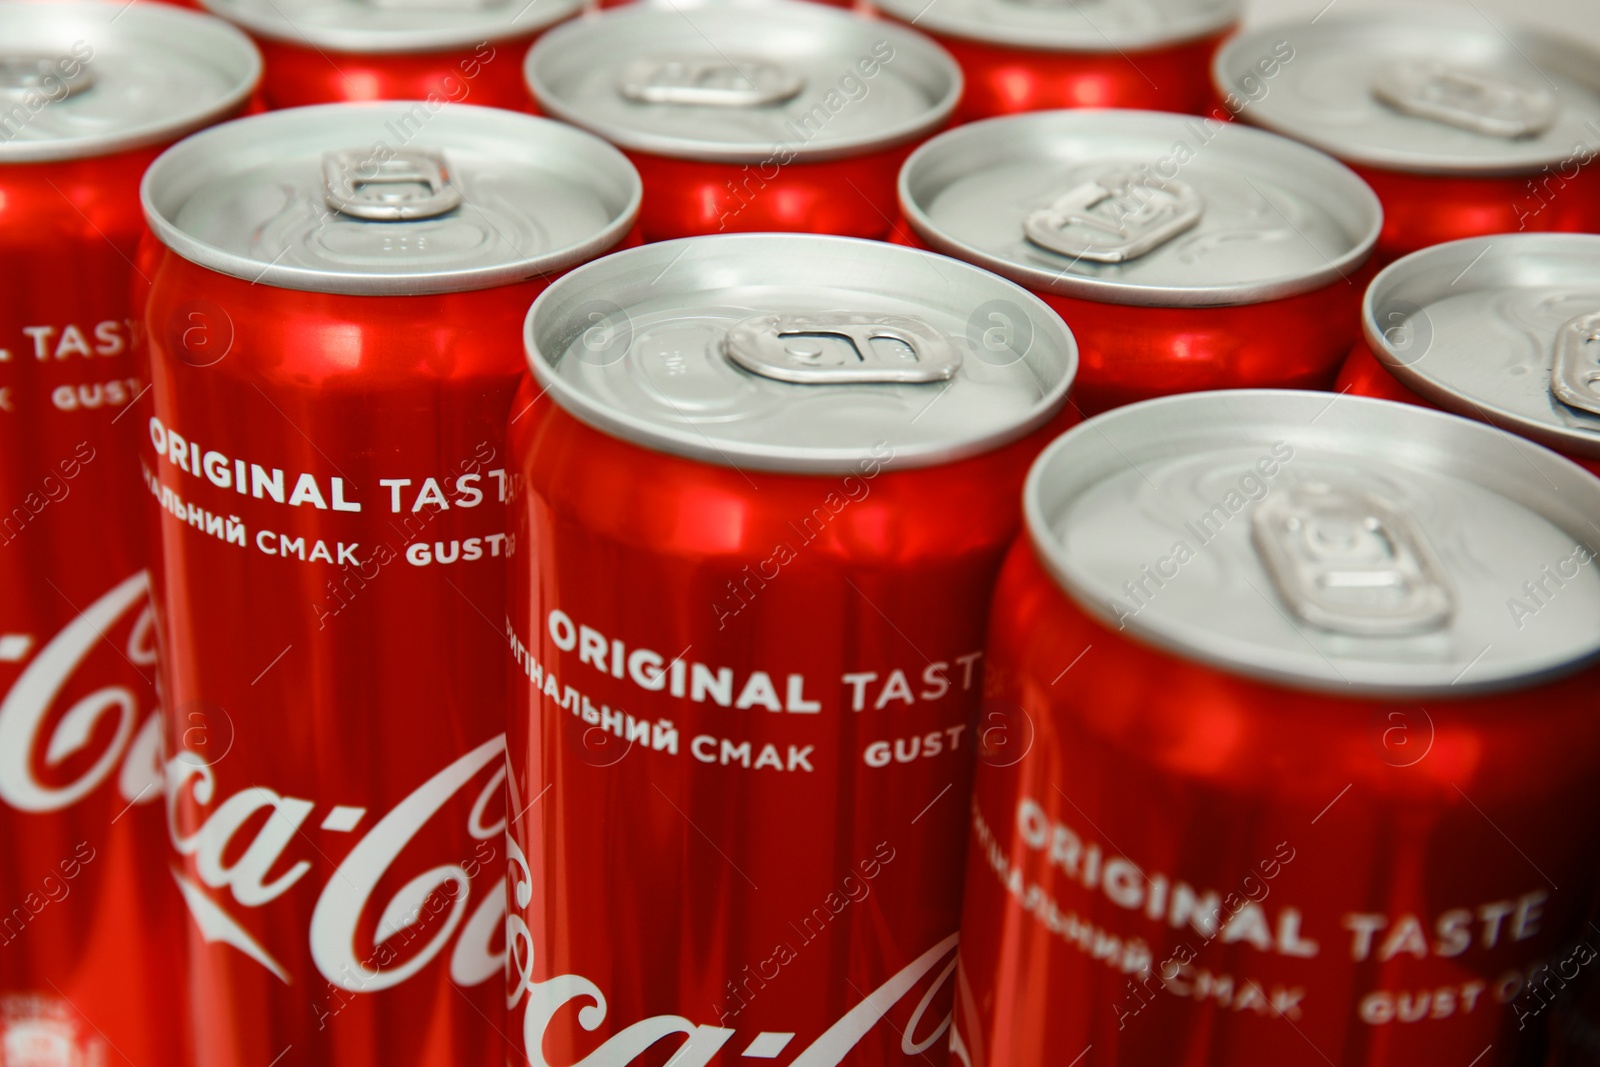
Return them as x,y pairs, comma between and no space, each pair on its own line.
799,353
1070,25
1502,329
1327,542
88,78
1430,90
1140,207
391,26
744,83
392,198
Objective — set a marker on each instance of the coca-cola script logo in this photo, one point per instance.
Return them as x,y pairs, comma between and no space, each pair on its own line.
48,758
697,1044
232,849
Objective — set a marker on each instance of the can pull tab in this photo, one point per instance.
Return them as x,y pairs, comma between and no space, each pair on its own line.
413,183
1468,99
40,73
717,82
1575,376
842,348
1344,559
1115,218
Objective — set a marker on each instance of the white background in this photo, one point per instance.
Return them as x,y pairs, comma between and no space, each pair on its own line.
1576,18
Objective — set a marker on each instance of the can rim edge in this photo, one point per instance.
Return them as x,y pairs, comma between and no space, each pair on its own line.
349,41
1130,294
300,279
168,131
1214,653
1559,438
644,142
771,458
1399,161
1192,32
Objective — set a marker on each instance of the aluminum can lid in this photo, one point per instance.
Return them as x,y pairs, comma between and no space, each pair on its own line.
799,353
1503,329
1140,207
1430,90
88,78
391,198
1070,26
1328,542
738,82
377,27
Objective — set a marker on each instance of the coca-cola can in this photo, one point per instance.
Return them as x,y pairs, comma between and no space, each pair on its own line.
91,925
1304,686
1505,330
751,117
434,52
764,484
1463,126
1185,253
334,344
1024,55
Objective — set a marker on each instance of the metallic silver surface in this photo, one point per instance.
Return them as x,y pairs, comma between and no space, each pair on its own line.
413,184
1345,559
863,85
1112,219
1070,25
1483,98
1493,328
842,348
392,26
1418,534
253,198
1275,218
89,78
638,345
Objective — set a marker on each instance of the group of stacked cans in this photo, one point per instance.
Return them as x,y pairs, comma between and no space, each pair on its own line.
743,567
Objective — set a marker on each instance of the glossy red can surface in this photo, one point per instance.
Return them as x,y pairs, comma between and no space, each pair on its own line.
1398,859
1002,80
1135,353
777,879
853,197
489,74
1363,375
91,929
1420,210
338,827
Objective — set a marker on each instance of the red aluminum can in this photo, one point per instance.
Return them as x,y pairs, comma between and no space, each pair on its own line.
91,926
1501,329
764,483
1186,254
433,52
1297,788
1462,126
1023,55
334,345
751,117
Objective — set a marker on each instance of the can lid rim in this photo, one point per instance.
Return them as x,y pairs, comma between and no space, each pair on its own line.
691,444
247,57
1136,294
927,17
1401,161
354,283
345,39
1311,672
671,147
1566,439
